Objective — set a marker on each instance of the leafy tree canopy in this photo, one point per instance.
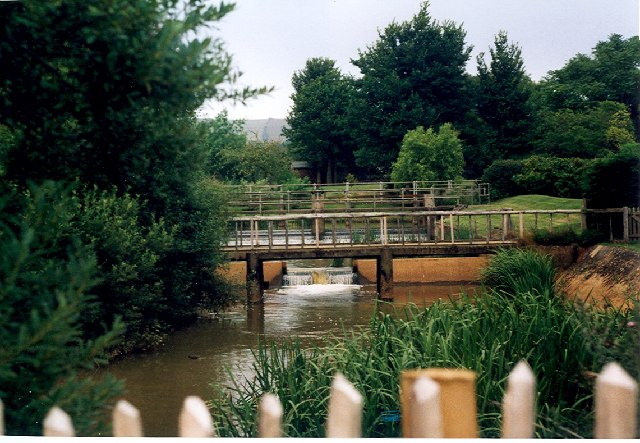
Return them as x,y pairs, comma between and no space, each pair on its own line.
319,130
413,75
428,155
583,133
610,73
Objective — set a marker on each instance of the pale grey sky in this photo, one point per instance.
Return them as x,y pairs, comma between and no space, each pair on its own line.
271,39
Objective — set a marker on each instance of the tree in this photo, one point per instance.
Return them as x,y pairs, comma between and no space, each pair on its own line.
414,75
318,129
502,104
106,92
611,73
219,135
255,162
587,133
427,155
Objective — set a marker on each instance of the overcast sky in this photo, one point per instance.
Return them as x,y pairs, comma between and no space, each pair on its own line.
271,39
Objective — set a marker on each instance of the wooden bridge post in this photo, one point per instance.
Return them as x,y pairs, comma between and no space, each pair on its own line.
384,275
255,279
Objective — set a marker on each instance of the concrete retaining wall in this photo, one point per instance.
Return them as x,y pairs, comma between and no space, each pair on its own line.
427,269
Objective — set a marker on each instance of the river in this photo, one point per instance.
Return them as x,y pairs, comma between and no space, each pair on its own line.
196,357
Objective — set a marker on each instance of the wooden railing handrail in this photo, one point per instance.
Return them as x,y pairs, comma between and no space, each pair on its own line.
322,215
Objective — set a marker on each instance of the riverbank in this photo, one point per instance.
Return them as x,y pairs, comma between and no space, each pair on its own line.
602,274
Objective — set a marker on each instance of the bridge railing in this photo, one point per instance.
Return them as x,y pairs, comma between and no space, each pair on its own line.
358,197
344,230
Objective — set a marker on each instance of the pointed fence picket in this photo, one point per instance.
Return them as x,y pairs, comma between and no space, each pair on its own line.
434,403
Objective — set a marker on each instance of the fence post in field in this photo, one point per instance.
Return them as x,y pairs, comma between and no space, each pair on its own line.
344,417
195,420
126,420
57,423
519,403
1,418
269,417
625,223
420,405
616,396
457,399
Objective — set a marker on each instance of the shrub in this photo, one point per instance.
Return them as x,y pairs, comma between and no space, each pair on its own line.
500,175
559,177
614,181
130,283
45,282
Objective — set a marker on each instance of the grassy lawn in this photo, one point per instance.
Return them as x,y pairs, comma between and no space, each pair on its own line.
532,202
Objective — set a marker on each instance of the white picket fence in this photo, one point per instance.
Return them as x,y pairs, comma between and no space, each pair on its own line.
435,403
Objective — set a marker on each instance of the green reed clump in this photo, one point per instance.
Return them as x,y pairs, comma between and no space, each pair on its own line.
520,270
488,333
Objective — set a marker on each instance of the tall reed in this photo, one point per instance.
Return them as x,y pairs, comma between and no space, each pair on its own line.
487,332
520,270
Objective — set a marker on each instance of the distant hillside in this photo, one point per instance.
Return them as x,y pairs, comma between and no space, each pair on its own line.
266,129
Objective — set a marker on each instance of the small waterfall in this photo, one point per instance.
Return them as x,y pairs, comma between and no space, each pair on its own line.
319,276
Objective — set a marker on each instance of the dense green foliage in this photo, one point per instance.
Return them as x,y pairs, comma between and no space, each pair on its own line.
429,155
234,158
614,181
100,97
515,271
319,131
561,177
589,133
413,75
104,95
45,281
488,333
502,124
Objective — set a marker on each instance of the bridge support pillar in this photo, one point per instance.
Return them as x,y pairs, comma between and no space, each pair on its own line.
384,277
255,279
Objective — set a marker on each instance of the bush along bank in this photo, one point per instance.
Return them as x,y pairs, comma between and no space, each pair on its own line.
488,332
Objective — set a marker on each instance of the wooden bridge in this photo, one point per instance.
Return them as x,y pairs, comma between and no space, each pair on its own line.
382,236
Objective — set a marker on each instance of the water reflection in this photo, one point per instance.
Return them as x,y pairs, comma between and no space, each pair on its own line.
198,356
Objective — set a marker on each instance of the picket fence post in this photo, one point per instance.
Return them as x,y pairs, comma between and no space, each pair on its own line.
57,423
519,403
457,399
616,400
344,418
126,420
269,417
422,406
195,419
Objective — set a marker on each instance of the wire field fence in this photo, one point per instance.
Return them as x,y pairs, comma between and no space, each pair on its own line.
355,197
434,403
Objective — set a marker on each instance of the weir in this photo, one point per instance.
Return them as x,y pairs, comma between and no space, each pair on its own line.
322,276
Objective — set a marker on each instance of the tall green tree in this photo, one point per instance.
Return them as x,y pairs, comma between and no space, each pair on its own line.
413,75
586,133
220,134
106,92
429,155
610,73
502,104
318,122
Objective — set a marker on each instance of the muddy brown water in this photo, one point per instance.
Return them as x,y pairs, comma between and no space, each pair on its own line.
204,354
